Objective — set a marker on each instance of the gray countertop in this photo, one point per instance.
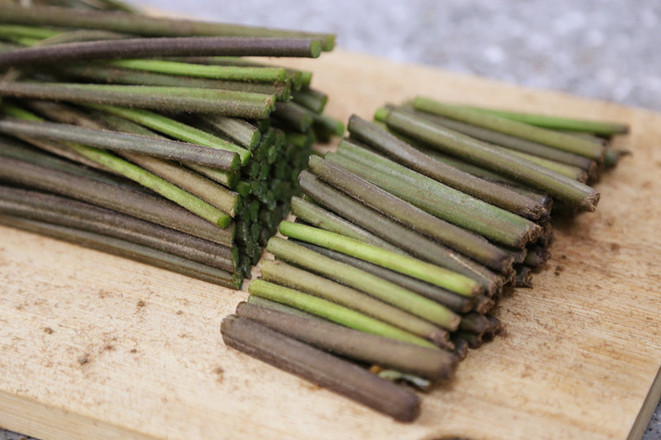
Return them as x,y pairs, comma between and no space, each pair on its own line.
595,49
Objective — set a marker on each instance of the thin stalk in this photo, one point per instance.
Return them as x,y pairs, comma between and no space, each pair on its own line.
106,74
161,47
167,99
240,131
474,322
600,128
285,275
153,182
115,141
34,32
422,163
227,73
126,249
80,36
175,129
361,346
510,142
551,138
78,215
465,242
502,161
128,23
454,302
396,233
570,171
293,116
407,265
272,305
358,279
320,368
311,99
466,211
319,217
332,312
137,204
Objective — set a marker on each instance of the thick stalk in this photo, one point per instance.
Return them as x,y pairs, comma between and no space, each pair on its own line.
320,368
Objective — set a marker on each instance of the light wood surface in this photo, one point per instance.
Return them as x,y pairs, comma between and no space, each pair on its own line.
97,347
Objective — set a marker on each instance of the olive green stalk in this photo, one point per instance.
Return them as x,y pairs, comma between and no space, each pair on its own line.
358,279
332,312
227,73
321,218
395,233
451,300
436,198
175,129
599,128
563,188
410,266
465,242
407,155
522,130
285,275
167,99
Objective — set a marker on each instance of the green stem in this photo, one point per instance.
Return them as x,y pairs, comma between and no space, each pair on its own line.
396,233
451,300
240,131
358,279
407,155
436,198
467,243
115,141
410,266
319,217
175,129
167,99
311,99
105,74
502,161
600,128
227,73
332,312
521,130
285,275
32,32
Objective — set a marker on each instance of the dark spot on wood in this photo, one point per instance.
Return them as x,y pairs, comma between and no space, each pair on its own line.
84,359
109,347
559,269
219,372
48,330
563,256
103,293
141,304
180,312
133,351
646,184
615,247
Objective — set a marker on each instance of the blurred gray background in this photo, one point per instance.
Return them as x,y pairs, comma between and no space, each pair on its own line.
607,50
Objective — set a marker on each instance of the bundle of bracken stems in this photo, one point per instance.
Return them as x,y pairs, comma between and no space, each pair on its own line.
155,138
408,233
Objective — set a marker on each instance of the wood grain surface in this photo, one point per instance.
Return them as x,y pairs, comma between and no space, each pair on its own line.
97,347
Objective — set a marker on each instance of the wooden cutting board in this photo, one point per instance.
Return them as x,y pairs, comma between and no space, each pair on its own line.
97,347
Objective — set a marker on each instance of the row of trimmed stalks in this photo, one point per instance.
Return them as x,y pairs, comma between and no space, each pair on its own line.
174,150
404,240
